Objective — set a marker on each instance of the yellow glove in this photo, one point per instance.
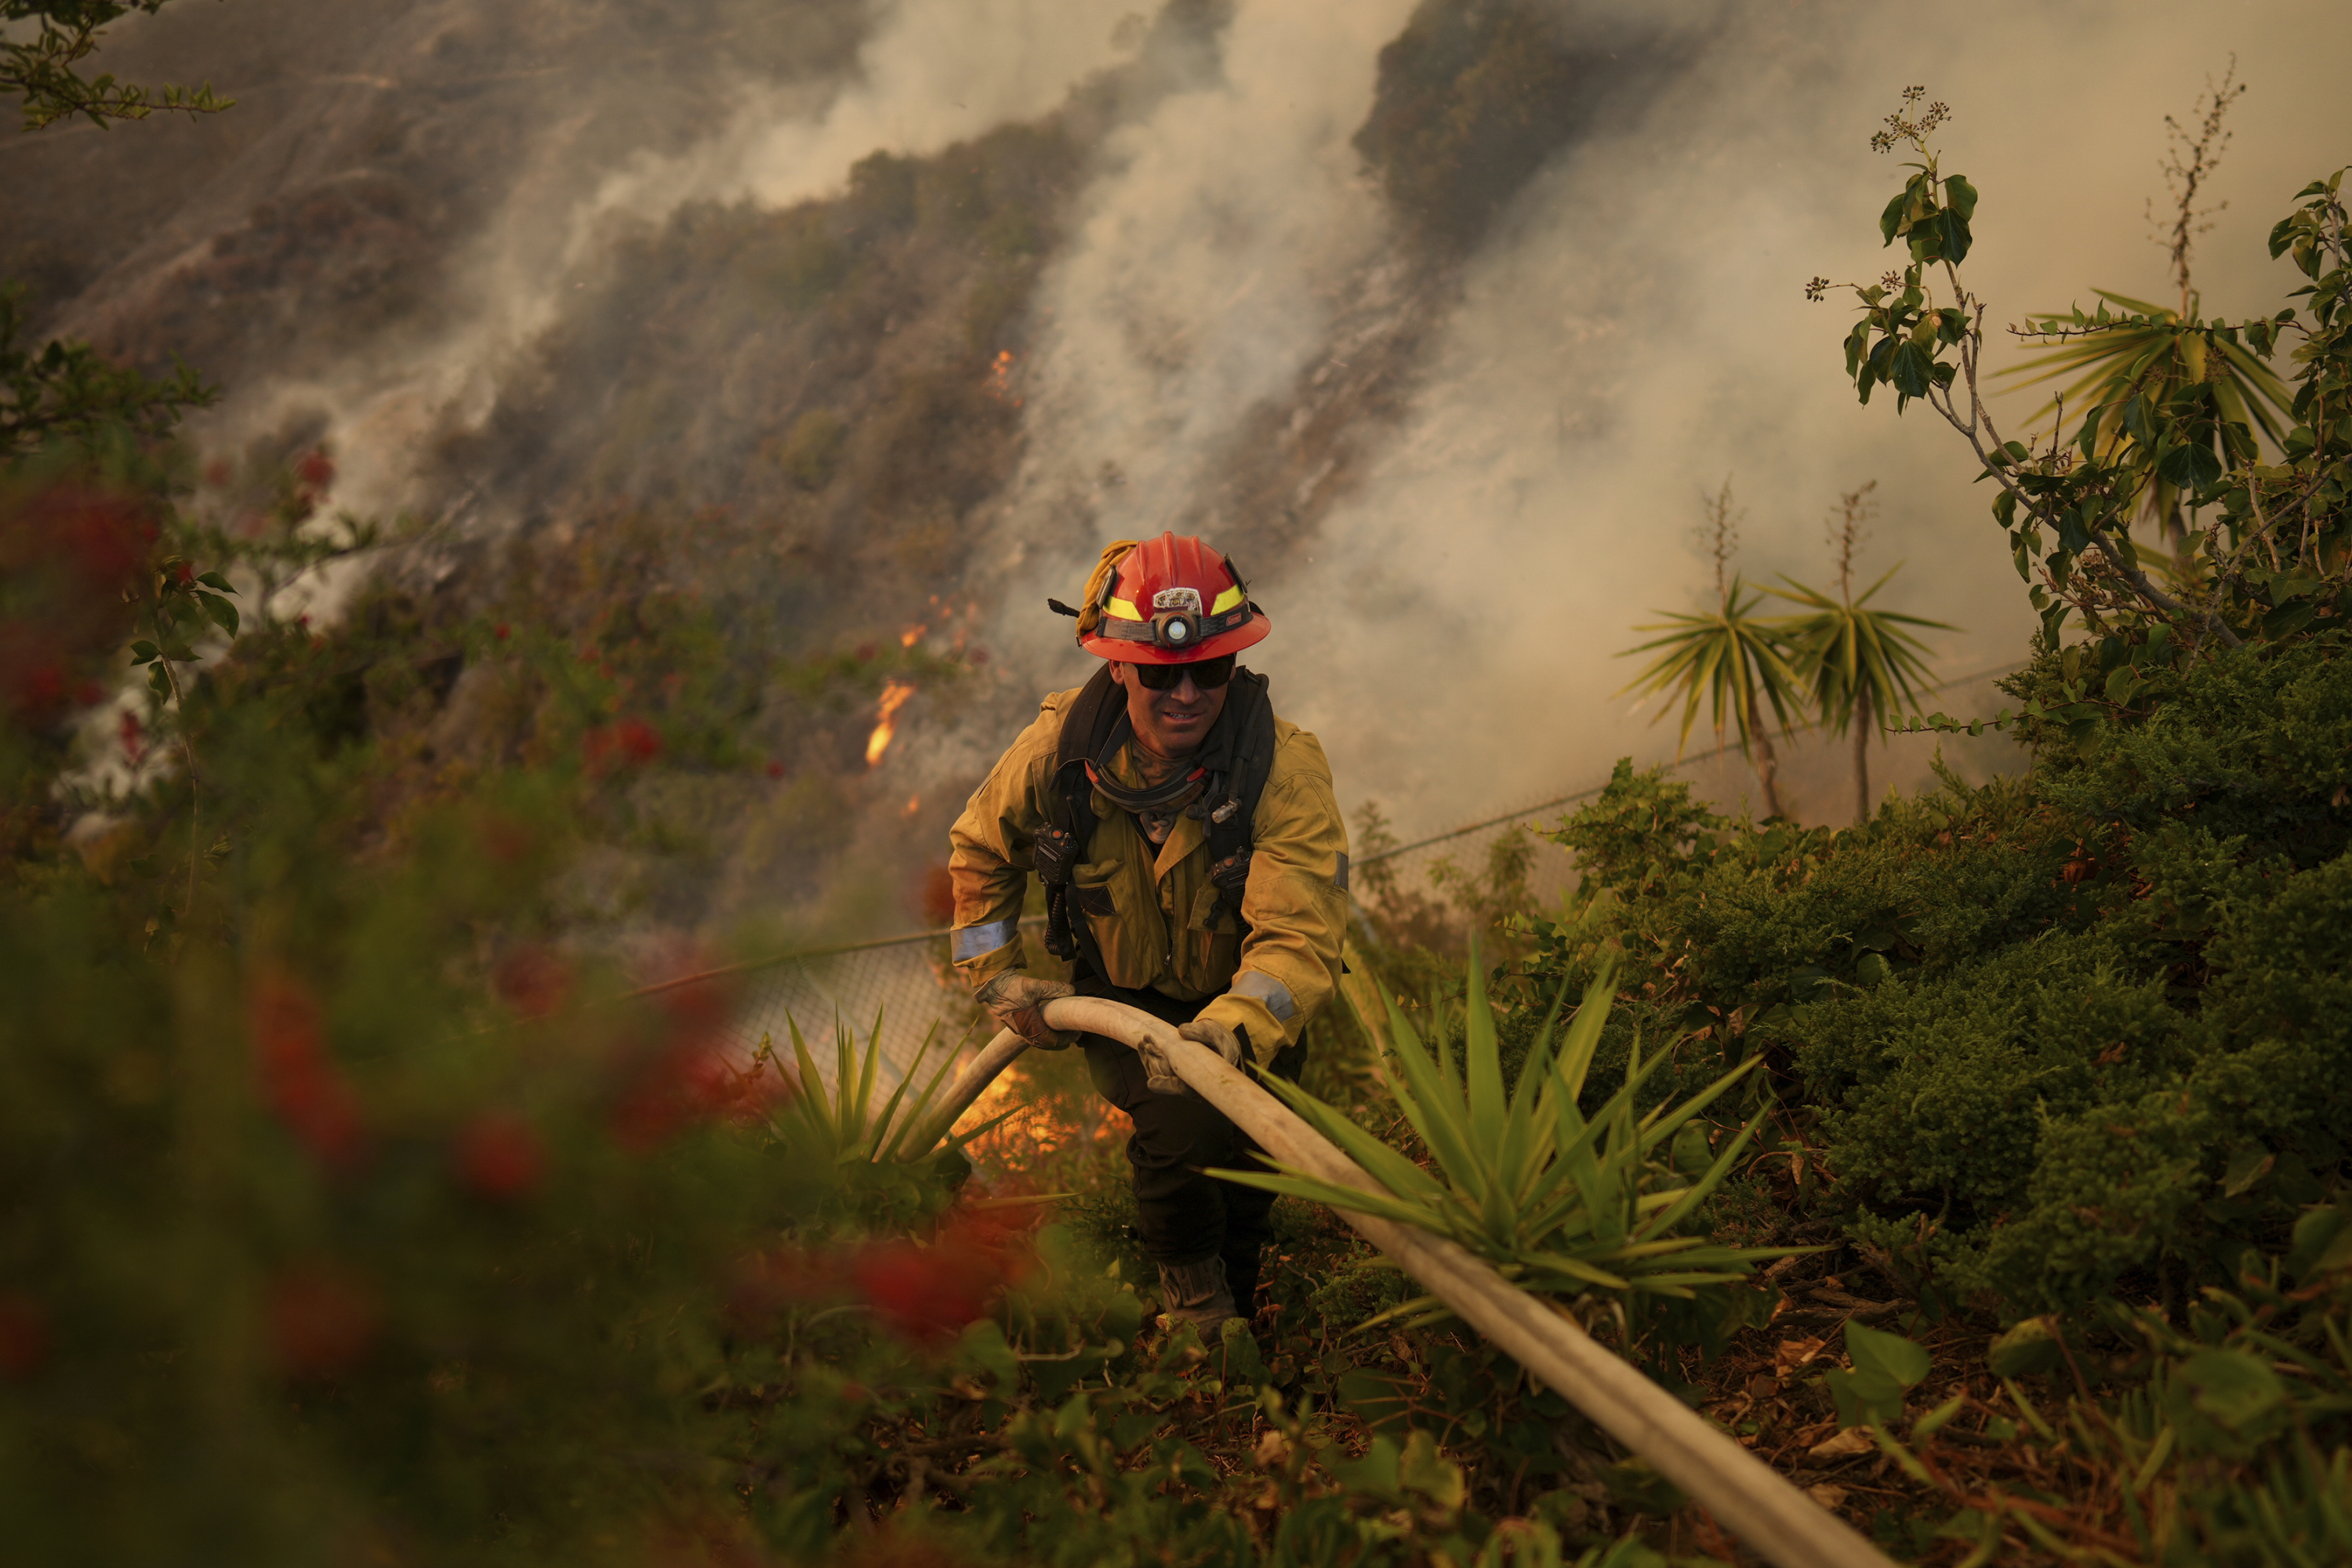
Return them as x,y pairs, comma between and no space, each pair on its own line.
1160,1073
1013,999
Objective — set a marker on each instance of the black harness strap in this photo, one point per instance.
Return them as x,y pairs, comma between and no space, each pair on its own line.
1100,708
1230,777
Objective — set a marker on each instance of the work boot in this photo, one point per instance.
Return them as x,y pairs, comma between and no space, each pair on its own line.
1196,1293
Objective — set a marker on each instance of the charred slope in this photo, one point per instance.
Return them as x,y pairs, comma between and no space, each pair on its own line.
372,141
1472,100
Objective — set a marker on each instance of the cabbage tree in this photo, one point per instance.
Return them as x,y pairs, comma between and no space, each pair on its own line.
1729,658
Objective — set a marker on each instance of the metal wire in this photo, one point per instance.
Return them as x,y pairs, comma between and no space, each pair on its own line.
903,990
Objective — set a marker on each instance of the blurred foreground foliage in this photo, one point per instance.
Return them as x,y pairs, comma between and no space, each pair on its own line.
345,1210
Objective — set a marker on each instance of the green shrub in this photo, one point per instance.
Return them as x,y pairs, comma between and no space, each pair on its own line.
2048,1019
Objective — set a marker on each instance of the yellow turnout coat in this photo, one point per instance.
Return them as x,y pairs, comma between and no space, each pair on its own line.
1156,919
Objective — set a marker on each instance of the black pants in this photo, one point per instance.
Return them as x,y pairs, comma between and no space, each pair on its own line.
1183,1215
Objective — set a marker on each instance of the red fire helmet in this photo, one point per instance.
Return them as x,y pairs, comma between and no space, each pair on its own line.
1170,600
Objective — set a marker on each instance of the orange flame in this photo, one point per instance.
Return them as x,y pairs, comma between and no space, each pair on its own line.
894,696
911,635
1000,378
914,804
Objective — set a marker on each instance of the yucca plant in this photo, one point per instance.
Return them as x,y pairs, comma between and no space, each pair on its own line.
1861,665
1557,1202
2122,368
842,1123
1730,658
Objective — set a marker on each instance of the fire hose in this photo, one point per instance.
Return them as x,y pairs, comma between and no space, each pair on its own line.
1744,1495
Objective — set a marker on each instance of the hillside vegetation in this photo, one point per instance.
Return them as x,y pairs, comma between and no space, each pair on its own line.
356,1202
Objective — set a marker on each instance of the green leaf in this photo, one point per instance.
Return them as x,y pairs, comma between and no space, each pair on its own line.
1935,1420
2190,465
1863,1397
2289,619
1898,1359
214,580
2320,1233
1890,221
2246,1167
223,613
1909,374
1481,1064
2031,1346
1421,1469
2233,1388
1962,196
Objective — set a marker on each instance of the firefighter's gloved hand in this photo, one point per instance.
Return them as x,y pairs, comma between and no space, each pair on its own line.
1160,1073
1014,1000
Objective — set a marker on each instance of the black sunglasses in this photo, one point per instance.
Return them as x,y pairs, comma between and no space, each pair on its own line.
1208,674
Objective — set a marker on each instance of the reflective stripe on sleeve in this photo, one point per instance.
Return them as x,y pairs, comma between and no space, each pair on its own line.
1265,988
971,941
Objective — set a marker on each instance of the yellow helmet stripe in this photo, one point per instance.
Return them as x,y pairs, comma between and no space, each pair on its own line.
1226,600
1124,610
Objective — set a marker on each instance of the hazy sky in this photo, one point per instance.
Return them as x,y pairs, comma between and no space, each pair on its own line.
1633,332
1636,333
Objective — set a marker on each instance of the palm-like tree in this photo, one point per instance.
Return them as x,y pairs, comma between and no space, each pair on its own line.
1856,663
1731,658
2116,368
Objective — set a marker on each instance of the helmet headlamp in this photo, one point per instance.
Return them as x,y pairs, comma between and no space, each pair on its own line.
1176,628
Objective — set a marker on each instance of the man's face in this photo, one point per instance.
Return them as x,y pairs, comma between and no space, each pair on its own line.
1170,724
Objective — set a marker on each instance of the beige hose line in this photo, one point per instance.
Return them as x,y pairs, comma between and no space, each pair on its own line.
1744,1495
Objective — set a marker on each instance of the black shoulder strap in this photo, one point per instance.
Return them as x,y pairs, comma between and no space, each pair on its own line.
1093,714
1249,712
1087,728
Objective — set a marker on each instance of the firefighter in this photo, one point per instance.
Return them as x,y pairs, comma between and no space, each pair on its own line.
1195,865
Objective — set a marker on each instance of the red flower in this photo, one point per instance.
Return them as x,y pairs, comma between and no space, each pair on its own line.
630,742
297,1080
505,839
499,631
929,1293
316,469
24,1335
926,1294
71,553
320,1321
685,1076
924,1291
134,742
533,980
499,1155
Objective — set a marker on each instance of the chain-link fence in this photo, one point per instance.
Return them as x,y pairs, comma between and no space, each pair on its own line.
1815,777
903,989
898,990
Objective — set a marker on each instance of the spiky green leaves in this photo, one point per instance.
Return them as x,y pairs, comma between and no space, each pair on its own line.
1520,1176
1847,652
1728,658
842,1123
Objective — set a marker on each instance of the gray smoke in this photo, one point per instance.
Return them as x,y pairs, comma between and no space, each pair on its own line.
1633,332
